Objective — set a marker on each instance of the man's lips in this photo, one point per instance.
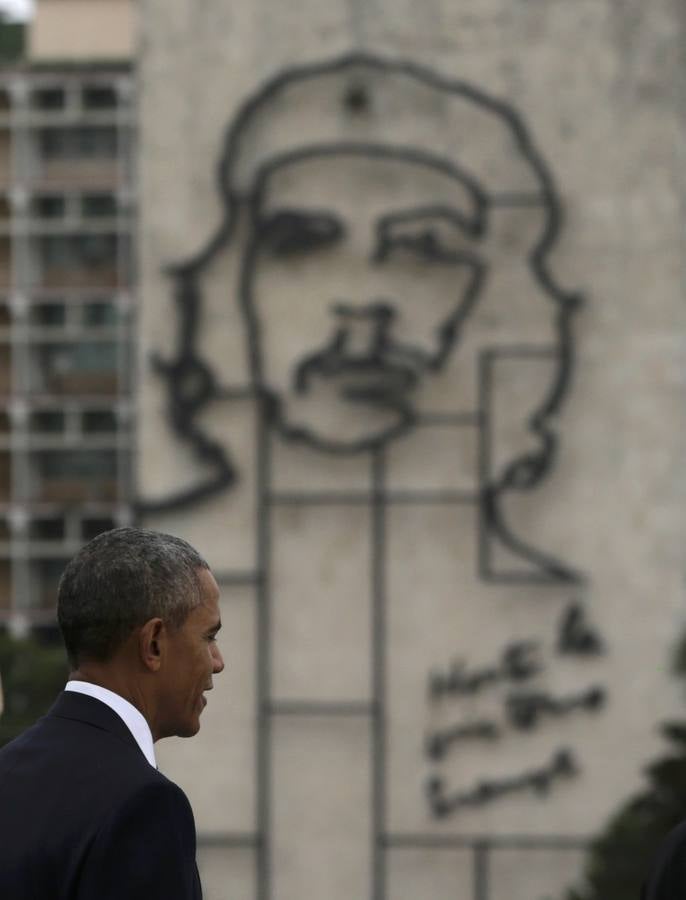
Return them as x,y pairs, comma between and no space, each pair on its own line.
203,698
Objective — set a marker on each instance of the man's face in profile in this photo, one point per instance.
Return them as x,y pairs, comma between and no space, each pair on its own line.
193,659
358,271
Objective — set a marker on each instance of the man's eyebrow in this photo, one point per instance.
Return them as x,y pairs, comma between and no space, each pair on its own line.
215,628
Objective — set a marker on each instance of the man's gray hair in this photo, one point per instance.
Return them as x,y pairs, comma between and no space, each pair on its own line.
120,580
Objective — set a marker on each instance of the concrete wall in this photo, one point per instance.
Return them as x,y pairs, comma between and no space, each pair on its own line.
600,86
82,30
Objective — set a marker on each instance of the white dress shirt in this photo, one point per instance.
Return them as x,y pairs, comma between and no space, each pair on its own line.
128,713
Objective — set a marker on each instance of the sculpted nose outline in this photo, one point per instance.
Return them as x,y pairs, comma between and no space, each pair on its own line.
378,310
365,326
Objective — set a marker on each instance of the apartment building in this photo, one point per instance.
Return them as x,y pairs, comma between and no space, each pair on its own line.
67,305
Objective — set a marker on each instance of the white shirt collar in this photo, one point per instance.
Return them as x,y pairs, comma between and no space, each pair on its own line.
127,712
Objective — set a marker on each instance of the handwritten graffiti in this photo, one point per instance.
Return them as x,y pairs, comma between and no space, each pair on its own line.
524,708
540,780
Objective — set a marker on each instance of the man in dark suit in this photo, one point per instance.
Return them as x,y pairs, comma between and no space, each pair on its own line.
667,880
84,813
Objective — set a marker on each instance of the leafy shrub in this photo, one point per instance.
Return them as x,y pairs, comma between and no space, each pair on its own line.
32,673
620,858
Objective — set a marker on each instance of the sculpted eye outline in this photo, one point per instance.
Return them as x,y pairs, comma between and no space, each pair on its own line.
289,232
424,242
425,245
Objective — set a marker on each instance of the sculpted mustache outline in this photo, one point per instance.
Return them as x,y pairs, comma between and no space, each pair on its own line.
329,362
389,360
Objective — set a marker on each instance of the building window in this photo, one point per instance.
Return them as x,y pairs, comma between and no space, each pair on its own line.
47,421
78,368
76,476
81,357
100,314
83,260
49,572
99,421
48,206
47,530
90,250
91,528
94,142
98,205
99,97
50,315
79,464
48,99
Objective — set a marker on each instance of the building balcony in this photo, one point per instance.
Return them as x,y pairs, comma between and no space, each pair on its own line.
105,277
83,383
5,375
78,173
75,117
78,490
5,479
5,584
5,172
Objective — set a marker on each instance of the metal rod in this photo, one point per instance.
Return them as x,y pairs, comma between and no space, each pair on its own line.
236,578
263,654
364,498
378,593
499,842
484,455
481,851
314,708
228,839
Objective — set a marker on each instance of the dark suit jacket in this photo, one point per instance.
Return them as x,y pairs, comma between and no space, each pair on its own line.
84,816
667,880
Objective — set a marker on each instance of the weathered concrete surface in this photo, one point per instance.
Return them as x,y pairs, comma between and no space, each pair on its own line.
601,86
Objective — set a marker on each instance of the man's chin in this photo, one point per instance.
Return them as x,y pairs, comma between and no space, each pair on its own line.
189,729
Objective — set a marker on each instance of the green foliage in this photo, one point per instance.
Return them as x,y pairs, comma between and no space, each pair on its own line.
12,42
620,857
32,676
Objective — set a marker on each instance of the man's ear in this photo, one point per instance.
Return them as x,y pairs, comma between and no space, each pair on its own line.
151,639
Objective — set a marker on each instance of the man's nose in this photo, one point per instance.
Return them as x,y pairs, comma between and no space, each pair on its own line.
217,661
